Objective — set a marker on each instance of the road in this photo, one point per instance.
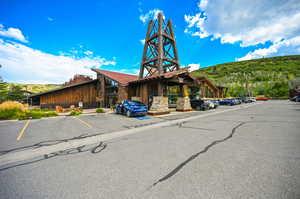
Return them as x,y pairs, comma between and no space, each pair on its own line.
250,152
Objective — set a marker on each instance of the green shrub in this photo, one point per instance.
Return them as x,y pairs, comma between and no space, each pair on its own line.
40,113
73,112
10,114
99,110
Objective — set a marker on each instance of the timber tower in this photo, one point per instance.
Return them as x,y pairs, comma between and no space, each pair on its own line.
160,52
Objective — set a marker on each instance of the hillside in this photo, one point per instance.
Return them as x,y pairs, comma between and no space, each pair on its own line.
36,88
266,76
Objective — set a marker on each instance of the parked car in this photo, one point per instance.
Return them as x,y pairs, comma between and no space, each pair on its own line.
245,99
236,101
262,99
199,105
211,103
252,99
229,102
216,102
295,99
131,108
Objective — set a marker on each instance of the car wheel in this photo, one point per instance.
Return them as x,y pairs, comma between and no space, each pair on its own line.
198,108
128,113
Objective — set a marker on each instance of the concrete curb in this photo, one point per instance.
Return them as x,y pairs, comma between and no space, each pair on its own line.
14,157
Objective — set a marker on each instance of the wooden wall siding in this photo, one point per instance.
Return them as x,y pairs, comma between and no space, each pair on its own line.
85,93
122,93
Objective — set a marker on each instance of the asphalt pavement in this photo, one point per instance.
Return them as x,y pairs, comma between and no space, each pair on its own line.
252,152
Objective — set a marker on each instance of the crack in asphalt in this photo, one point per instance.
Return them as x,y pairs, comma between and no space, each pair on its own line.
81,149
47,143
181,165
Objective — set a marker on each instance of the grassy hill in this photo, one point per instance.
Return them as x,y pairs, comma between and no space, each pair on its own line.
266,76
36,88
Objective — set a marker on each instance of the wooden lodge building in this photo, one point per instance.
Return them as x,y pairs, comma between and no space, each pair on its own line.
161,80
112,87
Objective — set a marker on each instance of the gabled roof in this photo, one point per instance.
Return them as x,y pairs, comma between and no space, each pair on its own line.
121,78
164,75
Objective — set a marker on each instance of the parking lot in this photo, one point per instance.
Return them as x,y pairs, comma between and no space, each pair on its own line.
15,134
243,151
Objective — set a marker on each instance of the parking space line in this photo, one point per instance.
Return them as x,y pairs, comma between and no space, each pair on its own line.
85,123
23,130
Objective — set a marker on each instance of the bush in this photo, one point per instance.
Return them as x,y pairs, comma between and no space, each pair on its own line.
11,110
74,112
15,110
99,110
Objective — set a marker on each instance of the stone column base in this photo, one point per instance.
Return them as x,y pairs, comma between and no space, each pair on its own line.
136,99
159,106
183,104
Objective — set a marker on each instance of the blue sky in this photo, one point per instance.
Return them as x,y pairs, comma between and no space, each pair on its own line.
50,41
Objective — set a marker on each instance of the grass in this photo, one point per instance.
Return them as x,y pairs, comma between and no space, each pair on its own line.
99,110
11,110
75,112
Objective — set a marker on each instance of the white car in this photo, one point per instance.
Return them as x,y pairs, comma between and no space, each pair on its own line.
211,104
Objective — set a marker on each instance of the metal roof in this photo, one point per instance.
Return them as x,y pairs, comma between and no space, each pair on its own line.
121,78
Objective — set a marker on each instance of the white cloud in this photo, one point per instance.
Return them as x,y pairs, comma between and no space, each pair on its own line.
130,71
251,22
291,46
50,19
27,65
246,22
202,4
13,33
152,14
194,67
88,52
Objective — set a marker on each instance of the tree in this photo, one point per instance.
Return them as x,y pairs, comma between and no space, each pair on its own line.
15,93
1,80
3,91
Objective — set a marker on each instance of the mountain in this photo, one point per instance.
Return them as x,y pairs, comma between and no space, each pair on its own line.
266,76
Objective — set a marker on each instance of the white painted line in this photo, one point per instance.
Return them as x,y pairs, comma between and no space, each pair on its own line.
33,153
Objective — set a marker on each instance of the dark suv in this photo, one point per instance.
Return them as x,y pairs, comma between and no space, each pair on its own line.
199,105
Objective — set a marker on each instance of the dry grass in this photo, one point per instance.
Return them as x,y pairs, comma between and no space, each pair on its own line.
8,105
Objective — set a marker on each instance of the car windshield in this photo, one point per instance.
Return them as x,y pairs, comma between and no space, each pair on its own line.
135,103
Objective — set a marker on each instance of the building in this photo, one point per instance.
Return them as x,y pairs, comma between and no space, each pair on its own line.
161,82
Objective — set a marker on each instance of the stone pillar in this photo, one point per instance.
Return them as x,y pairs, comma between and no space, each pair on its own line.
136,99
183,103
159,106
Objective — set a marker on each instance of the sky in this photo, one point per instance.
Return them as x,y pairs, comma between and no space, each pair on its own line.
52,40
